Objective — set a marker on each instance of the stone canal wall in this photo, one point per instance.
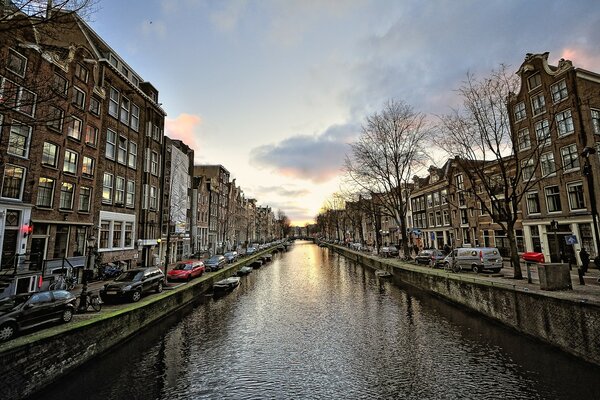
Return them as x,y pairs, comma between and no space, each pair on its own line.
571,325
31,362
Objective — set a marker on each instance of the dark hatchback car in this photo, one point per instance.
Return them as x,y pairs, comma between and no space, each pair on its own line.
22,312
433,258
132,284
215,262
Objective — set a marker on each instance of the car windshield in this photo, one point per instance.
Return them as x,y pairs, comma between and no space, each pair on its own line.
9,303
214,259
183,267
128,276
228,254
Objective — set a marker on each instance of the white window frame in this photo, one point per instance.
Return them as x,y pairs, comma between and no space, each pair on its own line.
527,165
564,123
88,161
154,163
22,105
58,115
595,115
524,139
547,159
107,188
130,195
113,102
537,81
135,117
122,148
570,155
56,152
16,129
14,53
81,196
125,110
72,132
72,195
583,205
537,195
538,104
68,162
557,195
111,135
520,111
120,190
559,91
95,135
543,126
132,157
76,98
22,184
53,181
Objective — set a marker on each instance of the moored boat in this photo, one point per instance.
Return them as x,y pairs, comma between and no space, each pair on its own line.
266,258
256,264
244,270
226,284
380,273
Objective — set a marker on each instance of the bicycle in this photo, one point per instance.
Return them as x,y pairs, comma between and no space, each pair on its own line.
87,301
63,283
452,266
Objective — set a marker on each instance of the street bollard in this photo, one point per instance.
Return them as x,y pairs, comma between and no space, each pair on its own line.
580,273
529,280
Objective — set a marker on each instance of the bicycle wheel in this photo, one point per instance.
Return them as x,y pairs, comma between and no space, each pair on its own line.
95,303
52,286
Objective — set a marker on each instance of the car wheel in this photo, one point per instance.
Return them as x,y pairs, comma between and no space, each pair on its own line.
7,331
475,268
67,315
136,295
159,287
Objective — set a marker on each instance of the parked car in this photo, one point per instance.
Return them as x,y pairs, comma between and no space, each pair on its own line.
215,262
251,250
390,251
186,270
133,283
433,257
27,311
231,256
476,259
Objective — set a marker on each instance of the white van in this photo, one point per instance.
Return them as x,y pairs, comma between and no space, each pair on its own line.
476,259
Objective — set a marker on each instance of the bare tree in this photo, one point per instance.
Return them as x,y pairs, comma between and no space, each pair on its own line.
485,150
386,156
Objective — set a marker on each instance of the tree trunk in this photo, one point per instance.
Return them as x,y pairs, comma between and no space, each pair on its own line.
514,255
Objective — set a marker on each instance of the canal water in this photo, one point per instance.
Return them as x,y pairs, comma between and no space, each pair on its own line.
314,325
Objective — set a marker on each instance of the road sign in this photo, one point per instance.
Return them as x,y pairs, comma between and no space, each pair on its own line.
571,240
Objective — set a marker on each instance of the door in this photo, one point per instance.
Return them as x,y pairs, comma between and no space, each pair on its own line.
38,249
9,248
37,309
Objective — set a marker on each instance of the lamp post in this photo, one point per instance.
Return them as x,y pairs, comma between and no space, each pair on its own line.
587,172
554,227
91,246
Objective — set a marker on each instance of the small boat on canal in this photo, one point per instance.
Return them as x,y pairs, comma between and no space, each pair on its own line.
380,273
266,258
256,264
245,270
226,285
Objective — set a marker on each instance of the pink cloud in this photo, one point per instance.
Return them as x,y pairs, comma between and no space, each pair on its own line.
184,128
581,58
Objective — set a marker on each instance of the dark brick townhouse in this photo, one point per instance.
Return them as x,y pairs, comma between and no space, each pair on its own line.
81,149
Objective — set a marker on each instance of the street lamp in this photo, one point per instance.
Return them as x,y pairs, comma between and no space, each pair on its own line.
554,227
91,247
587,172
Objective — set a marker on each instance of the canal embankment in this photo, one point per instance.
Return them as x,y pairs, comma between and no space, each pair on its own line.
31,362
564,319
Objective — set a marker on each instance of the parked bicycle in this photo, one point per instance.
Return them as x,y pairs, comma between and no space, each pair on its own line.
452,265
62,282
88,301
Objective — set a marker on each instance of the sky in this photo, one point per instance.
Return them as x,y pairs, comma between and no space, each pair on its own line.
275,90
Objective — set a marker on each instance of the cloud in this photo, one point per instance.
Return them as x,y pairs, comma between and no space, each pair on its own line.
227,17
153,28
184,128
582,58
317,158
281,191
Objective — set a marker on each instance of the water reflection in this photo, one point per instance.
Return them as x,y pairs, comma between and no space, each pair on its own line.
314,325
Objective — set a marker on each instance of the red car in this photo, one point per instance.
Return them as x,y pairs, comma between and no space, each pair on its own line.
186,270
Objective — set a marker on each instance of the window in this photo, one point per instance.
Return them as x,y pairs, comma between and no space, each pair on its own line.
17,63
18,140
66,196
45,192
26,102
60,85
438,218
111,144
156,133
87,166
122,150
553,199
153,197
527,169
113,60
570,158
533,203
564,123
85,194
135,80
130,193
542,132
436,198
431,220
120,190
104,233
444,196
154,163
575,193
125,106
70,163
12,182
459,182
95,106
132,161
55,118
125,71
534,81
128,234
117,234
524,139
559,91
113,102
74,128
81,72
464,218
596,121
135,117
520,112
538,104
446,217
49,154
429,201
547,164
78,97
107,188
91,135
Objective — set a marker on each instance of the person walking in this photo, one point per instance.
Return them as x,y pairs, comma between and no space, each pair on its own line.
585,260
